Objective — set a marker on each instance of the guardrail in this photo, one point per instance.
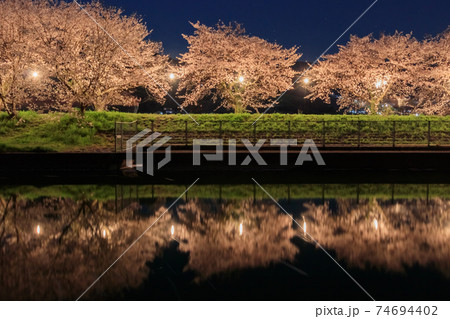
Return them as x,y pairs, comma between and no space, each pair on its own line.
325,133
122,132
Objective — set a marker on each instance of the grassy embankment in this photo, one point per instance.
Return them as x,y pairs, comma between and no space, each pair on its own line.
59,132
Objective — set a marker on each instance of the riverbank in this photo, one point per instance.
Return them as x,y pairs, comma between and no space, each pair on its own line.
98,131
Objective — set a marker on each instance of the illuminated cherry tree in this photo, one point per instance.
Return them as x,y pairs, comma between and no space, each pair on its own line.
239,70
433,76
20,79
84,50
368,72
397,69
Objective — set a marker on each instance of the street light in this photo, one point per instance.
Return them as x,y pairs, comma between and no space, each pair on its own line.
34,74
380,83
306,80
241,79
171,76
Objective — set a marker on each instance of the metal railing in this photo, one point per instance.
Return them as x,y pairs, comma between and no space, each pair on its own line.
122,132
325,133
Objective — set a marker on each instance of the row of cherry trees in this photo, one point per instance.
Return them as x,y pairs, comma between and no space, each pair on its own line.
61,55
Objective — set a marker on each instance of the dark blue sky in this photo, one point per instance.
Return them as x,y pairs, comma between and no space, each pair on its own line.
313,25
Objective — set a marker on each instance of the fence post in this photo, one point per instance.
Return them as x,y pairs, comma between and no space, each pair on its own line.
289,129
115,137
429,133
323,133
153,126
254,132
186,132
220,129
393,134
121,137
359,134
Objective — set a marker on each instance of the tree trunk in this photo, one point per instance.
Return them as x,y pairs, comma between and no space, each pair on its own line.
10,109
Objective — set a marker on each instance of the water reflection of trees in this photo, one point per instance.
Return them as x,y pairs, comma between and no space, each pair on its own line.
386,235
225,236
79,238
76,241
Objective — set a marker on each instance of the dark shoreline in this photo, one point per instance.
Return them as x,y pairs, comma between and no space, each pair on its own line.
351,166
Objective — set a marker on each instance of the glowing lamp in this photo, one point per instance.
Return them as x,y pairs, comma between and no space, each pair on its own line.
378,84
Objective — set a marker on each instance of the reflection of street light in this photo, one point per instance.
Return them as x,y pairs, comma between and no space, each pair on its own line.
241,229
38,230
375,224
172,230
241,79
306,80
171,76
304,228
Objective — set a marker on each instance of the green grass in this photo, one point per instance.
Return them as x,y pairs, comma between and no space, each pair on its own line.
49,133
293,191
58,132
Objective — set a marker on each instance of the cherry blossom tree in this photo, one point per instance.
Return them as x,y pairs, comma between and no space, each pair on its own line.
368,72
239,70
432,76
84,50
21,77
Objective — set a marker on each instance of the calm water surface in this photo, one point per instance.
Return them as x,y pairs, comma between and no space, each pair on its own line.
222,242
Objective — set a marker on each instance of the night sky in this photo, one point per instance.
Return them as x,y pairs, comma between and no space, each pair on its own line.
313,25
